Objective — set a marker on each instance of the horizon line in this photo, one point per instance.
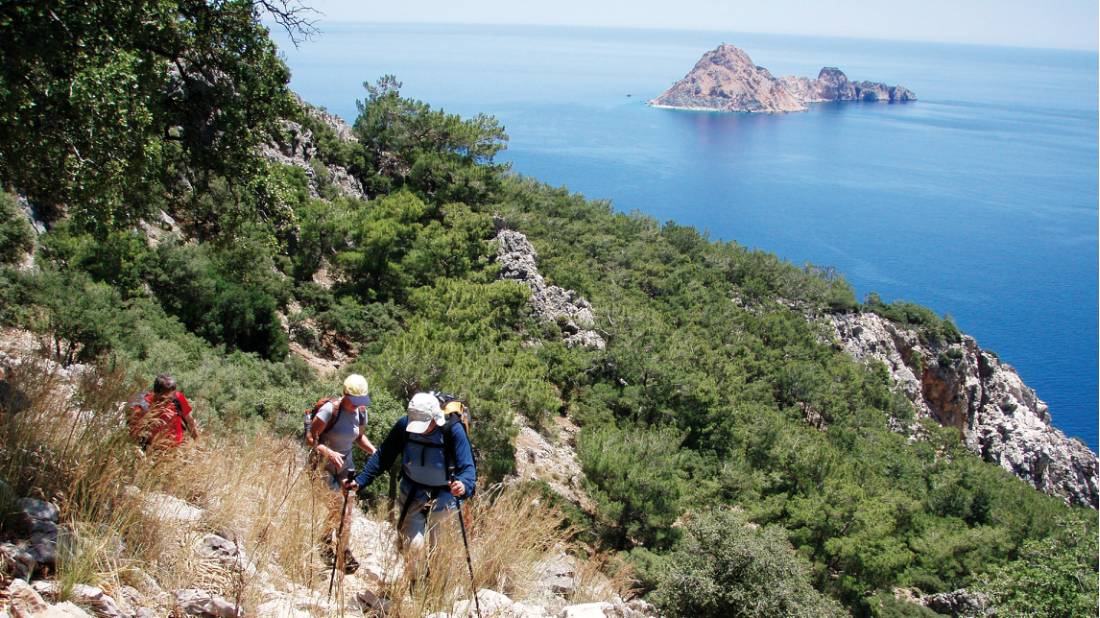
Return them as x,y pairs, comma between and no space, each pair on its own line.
323,21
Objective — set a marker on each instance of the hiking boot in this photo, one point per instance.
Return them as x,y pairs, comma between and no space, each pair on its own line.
351,565
372,604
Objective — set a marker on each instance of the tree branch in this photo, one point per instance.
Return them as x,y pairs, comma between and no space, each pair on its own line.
297,19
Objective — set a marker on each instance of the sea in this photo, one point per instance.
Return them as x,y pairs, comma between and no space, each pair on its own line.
979,200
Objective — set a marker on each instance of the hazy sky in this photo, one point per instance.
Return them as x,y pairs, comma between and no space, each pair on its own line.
1029,23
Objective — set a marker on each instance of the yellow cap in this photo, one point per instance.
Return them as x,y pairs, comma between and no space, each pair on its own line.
356,385
454,407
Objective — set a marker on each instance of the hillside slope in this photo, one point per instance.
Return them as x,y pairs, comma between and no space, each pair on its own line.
258,249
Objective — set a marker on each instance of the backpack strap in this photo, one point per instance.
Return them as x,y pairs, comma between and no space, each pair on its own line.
338,406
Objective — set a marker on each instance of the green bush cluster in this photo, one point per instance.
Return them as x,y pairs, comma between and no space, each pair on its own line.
16,235
930,327
727,566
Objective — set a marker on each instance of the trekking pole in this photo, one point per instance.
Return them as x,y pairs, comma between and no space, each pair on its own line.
466,544
336,553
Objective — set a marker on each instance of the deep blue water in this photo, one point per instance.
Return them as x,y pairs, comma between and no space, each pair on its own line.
979,200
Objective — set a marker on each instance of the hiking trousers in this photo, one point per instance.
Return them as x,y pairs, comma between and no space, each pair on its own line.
422,525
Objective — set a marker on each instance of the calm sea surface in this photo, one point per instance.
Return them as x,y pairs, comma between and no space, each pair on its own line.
979,200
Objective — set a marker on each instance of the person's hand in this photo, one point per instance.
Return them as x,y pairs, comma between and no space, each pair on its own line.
457,489
351,486
334,458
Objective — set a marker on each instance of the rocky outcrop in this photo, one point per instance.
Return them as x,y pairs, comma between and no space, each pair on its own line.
726,79
91,597
556,464
963,386
519,262
25,602
202,604
34,550
295,145
493,603
961,603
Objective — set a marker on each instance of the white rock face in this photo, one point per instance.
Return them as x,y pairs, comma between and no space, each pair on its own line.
555,464
588,610
166,508
962,386
297,147
374,545
25,602
195,602
90,596
518,261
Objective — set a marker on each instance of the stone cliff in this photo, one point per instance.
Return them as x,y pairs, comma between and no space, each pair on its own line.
726,79
573,314
963,386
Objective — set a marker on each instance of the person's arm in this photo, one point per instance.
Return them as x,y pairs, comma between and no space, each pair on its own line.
185,416
136,420
364,442
465,473
383,458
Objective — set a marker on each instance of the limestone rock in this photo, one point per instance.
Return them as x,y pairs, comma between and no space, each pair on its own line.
36,521
373,544
555,464
295,145
32,512
558,574
226,553
16,561
588,610
337,124
962,386
195,602
92,597
165,508
518,261
634,608
293,605
25,602
726,79
960,603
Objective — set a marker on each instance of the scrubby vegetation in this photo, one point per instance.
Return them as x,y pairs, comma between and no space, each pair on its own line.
698,401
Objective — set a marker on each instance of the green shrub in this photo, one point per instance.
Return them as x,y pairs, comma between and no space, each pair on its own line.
80,314
1055,577
16,234
930,327
725,566
635,477
230,299
885,605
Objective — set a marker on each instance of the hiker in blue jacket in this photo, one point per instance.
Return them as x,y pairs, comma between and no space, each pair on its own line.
437,466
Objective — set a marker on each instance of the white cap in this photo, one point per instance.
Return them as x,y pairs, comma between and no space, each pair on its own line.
423,409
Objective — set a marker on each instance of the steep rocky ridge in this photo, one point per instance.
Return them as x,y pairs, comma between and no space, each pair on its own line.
963,386
518,261
726,79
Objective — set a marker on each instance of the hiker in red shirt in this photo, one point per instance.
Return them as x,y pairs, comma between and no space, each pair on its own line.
158,417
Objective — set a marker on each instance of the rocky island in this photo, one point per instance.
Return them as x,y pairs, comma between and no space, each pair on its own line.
725,79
